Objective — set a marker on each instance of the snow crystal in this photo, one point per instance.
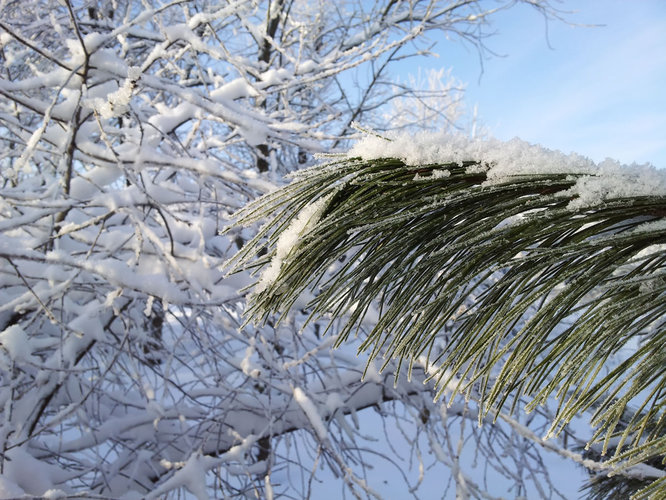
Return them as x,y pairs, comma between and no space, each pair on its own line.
5,38
435,174
254,134
54,494
371,374
440,174
9,489
234,89
149,306
192,475
307,217
613,180
87,184
246,364
311,412
307,66
657,225
117,103
334,401
269,487
26,472
75,49
501,160
93,41
16,342
275,76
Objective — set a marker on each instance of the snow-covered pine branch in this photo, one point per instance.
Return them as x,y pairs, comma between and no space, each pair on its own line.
515,270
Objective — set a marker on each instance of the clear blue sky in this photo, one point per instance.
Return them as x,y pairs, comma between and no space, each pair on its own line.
599,91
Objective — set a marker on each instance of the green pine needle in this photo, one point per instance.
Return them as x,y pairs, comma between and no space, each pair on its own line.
535,297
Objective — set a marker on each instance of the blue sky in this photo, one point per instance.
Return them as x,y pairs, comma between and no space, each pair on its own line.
599,91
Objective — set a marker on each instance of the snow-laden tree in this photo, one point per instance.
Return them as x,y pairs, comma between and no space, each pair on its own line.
507,272
129,132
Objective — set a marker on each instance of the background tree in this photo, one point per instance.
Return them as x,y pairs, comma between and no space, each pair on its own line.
130,131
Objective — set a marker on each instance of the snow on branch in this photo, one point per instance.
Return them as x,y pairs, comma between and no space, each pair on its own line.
522,255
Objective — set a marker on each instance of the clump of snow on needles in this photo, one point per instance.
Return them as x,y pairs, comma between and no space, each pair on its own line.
306,218
502,160
613,181
499,158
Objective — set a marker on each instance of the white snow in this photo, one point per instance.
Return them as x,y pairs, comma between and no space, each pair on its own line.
371,373
275,76
9,489
311,412
307,217
334,401
192,475
25,472
16,342
613,180
117,103
269,487
234,89
249,368
499,158
502,160
87,184
54,494
307,66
